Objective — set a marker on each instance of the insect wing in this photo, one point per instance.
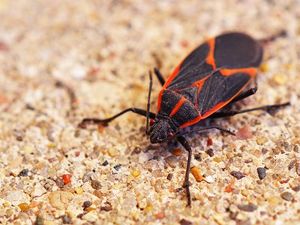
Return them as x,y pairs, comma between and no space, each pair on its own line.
221,87
229,50
193,68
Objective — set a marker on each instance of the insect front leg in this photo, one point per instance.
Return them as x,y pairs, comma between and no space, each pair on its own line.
186,183
96,121
205,128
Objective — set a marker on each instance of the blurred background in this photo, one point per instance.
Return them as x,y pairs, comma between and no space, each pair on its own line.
61,61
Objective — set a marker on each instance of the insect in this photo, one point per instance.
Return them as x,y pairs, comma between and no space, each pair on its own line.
215,75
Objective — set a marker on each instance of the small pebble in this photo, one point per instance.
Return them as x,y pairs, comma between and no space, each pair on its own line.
229,188
244,133
89,209
218,159
185,222
264,67
262,172
96,184
170,176
148,208
135,173
297,167
113,152
210,152
197,156
136,150
78,190
23,173
98,193
15,197
86,204
280,79
59,182
39,221
219,219
87,177
264,151
105,163
160,215
172,161
237,174
107,207
66,219
117,167
248,207
60,199
296,188
81,215
261,140
292,164
66,178
197,174
209,142
287,196
24,207
177,152
209,179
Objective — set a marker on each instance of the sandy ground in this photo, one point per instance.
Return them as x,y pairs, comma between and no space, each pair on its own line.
61,61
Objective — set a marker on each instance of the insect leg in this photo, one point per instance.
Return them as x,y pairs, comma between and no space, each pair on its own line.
186,183
88,121
159,76
268,108
148,102
272,38
197,129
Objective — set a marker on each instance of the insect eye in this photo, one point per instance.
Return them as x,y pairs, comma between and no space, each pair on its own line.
151,122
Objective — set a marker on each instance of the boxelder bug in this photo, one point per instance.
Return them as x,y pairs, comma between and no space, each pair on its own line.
213,76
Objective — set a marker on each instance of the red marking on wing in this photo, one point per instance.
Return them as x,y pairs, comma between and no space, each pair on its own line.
191,122
172,76
225,72
166,84
211,58
199,83
159,100
177,106
250,71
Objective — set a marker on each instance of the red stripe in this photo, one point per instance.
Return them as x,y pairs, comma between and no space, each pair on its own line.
177,106
210,57
250,71
191,122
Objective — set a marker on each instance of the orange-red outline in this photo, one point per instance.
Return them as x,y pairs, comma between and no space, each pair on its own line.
191,122
177,106
210,59
169,80
251,71
226,72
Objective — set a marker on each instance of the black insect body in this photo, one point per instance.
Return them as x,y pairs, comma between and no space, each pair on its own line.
215,75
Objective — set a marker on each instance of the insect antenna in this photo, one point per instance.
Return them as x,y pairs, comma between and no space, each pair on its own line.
148,103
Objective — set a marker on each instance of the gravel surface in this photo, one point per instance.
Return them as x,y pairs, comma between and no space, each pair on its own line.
61,61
